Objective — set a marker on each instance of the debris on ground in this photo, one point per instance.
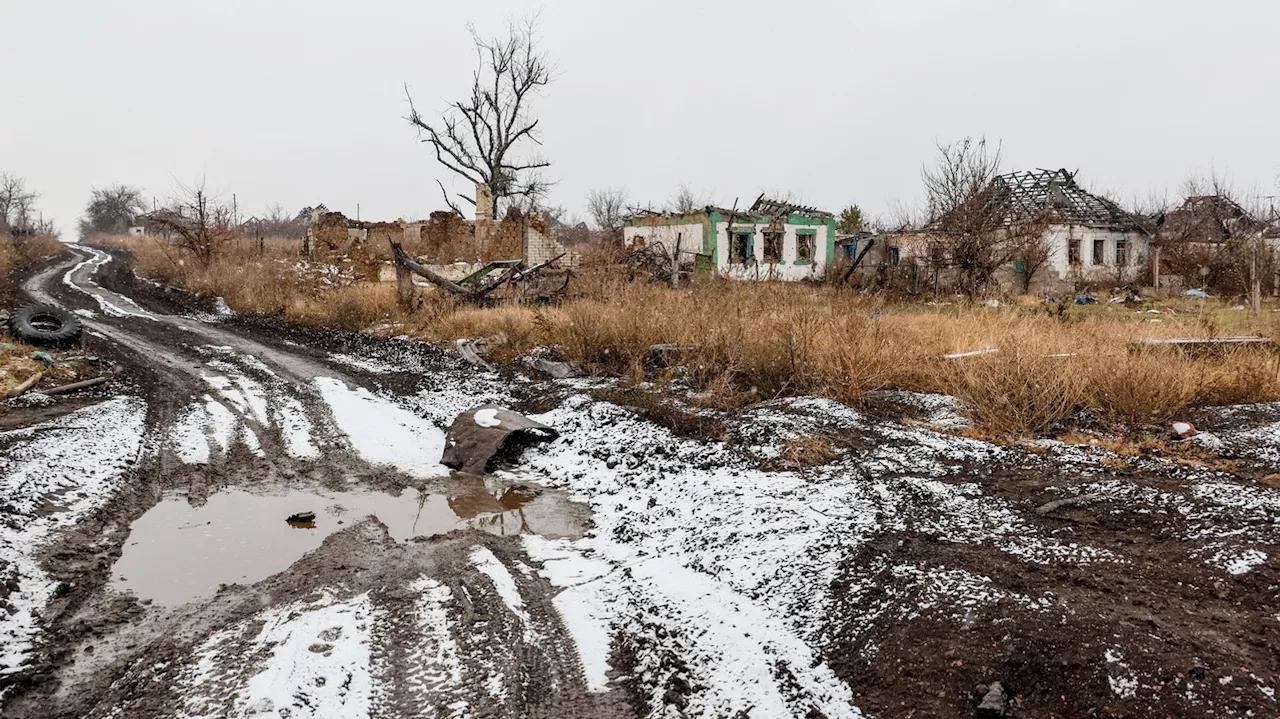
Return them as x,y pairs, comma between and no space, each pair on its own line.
663,356
479,435
553,368
301,517
1056,504
973,353
1195,292
994,702
45,325
24,385
471,354
1086,299
1183,430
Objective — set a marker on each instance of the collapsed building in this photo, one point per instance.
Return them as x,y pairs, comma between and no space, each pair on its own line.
446,241
1065,237
1210,241
771,240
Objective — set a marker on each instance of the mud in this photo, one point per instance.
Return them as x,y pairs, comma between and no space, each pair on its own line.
630,568
178,552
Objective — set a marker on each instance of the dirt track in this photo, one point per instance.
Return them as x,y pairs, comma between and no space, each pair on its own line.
890,582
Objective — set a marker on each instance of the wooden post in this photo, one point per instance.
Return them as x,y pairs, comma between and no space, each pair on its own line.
1155,267
1255,282
675,262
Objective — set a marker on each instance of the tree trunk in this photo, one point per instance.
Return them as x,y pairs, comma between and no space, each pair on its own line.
404,286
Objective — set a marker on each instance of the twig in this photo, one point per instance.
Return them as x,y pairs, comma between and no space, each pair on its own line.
1056,504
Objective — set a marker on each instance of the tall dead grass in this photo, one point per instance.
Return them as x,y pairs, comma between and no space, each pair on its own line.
17,251
739,342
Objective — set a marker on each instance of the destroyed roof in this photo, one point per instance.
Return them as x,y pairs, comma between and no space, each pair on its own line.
762,207
775,208
1208,218
1030,195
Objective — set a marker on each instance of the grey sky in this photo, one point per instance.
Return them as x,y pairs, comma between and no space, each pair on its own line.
302,102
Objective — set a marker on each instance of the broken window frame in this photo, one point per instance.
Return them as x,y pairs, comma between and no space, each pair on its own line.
772,247
895,256
745,235
1122,251
805,240
1099,256
1073,252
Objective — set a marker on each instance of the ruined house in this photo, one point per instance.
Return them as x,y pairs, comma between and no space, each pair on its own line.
1088,238
1066,237
1211,241
771,240
448,242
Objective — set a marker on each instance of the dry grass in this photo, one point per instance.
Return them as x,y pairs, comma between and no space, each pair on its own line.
17,365
17,251
745,342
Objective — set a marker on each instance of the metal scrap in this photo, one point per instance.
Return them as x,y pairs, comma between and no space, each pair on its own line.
490,431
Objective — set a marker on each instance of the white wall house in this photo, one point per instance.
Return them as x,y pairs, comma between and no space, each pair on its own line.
771,241
1095,254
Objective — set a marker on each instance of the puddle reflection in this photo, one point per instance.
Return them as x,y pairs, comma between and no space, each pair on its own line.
176,552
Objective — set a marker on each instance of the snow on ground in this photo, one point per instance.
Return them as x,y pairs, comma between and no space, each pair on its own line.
115,305
295,429
382,432
436,669
309,660
698,555
203,425
582,603
239,409
1228,525
372,365
488,565
52,475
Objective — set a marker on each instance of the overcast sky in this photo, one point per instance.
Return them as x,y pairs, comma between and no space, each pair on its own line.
833,101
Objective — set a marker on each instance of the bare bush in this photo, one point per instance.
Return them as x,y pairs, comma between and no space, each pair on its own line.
198,223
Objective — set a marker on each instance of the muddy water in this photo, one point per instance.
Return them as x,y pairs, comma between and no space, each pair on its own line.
177,552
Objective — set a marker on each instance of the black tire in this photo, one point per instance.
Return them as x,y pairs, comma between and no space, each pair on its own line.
45,326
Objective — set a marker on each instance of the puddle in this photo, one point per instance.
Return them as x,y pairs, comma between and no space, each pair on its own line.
177,553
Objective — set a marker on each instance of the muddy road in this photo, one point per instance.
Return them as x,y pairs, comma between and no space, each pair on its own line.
146,568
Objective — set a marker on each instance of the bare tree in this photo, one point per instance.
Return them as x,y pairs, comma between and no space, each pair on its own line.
686,200
279,222
17,203
979,231
111,210
477,138
608,208
198,223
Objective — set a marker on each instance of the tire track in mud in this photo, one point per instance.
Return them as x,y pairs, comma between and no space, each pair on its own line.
362,626
891,580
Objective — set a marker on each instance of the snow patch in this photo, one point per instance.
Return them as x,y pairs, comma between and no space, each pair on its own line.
295,429
487,564
487,418
372,365
71,465
382,432
310,660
